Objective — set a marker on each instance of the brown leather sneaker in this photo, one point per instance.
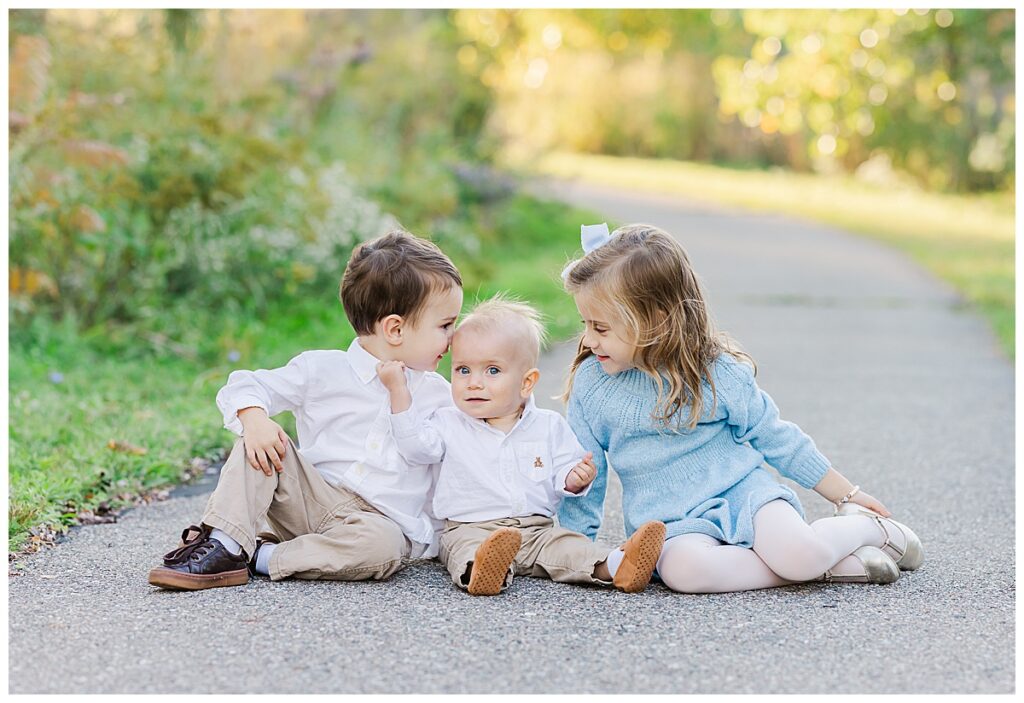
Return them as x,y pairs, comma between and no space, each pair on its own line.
641,556
493,558
201,562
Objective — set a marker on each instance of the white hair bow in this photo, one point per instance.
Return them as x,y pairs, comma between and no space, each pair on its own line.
591,237
594,236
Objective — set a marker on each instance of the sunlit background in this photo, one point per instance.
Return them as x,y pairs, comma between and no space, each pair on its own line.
186,185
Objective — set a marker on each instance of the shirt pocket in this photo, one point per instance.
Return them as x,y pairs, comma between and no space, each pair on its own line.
533,460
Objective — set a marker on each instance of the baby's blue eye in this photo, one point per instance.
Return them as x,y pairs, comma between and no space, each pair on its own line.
462,370
493,370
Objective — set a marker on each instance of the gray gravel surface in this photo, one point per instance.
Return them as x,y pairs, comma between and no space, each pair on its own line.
900,385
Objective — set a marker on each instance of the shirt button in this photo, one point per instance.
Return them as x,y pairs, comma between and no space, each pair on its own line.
374,446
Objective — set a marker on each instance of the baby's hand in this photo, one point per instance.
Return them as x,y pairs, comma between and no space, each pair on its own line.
392,375
581,475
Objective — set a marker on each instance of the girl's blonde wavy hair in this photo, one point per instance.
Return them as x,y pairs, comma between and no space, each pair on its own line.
644,277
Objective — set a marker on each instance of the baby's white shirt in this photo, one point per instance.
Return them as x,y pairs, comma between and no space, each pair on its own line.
486,474
342,417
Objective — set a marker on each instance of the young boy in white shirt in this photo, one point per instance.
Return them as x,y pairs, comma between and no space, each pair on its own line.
506,465
344,504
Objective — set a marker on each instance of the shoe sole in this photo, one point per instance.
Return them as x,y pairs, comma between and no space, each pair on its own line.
177,581
642,551
492,560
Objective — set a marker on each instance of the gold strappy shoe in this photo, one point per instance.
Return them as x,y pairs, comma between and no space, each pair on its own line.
878,568
908,558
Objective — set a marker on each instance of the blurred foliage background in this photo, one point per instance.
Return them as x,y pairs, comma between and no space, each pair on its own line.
919,95
186,185
161,160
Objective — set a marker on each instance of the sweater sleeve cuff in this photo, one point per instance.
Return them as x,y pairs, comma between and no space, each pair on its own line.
231,421
810,472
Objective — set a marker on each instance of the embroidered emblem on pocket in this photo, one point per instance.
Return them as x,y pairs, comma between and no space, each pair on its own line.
537,463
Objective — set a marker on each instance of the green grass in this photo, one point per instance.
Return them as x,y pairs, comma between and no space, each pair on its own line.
965,240
152,399
59,459
119,388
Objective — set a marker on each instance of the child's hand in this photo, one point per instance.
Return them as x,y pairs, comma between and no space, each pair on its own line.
581,475
392,375
265,440
864,500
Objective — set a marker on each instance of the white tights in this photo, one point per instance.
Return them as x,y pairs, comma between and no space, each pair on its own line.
786,550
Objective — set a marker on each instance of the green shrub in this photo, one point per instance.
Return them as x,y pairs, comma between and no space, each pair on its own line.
151,200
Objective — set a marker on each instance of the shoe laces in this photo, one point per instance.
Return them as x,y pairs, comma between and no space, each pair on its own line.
193,549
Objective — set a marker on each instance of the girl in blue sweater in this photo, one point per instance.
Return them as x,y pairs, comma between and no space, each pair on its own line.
673,405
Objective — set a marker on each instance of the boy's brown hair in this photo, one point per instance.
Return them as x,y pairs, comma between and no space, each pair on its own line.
393,274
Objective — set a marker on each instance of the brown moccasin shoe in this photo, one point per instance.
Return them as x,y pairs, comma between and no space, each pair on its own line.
641,556
201,562
492,561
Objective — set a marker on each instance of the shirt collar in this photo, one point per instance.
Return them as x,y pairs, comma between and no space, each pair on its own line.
365,364
529,410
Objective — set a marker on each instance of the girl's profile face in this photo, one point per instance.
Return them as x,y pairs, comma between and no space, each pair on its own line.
605,335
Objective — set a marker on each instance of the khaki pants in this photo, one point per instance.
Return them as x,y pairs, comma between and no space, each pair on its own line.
546,552
326,532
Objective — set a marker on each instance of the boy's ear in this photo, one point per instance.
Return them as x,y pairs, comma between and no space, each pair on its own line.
529,381
391,329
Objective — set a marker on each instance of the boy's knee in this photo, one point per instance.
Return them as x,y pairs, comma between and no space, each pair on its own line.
237,450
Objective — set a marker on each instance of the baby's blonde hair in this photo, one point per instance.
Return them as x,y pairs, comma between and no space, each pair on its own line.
644,277
506,314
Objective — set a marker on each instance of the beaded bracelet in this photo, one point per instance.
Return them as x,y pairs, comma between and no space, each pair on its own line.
851,494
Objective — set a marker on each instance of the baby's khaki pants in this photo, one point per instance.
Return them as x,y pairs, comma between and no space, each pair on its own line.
326,532
546,552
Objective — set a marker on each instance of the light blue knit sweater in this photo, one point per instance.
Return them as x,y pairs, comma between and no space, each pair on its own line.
709,479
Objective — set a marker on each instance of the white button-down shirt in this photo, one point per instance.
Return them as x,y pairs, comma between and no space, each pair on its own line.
486,474
342,415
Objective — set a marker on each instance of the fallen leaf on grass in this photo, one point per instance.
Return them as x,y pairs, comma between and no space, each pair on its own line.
120,446
39,537
87,517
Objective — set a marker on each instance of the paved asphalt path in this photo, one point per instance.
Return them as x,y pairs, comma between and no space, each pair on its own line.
902,387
